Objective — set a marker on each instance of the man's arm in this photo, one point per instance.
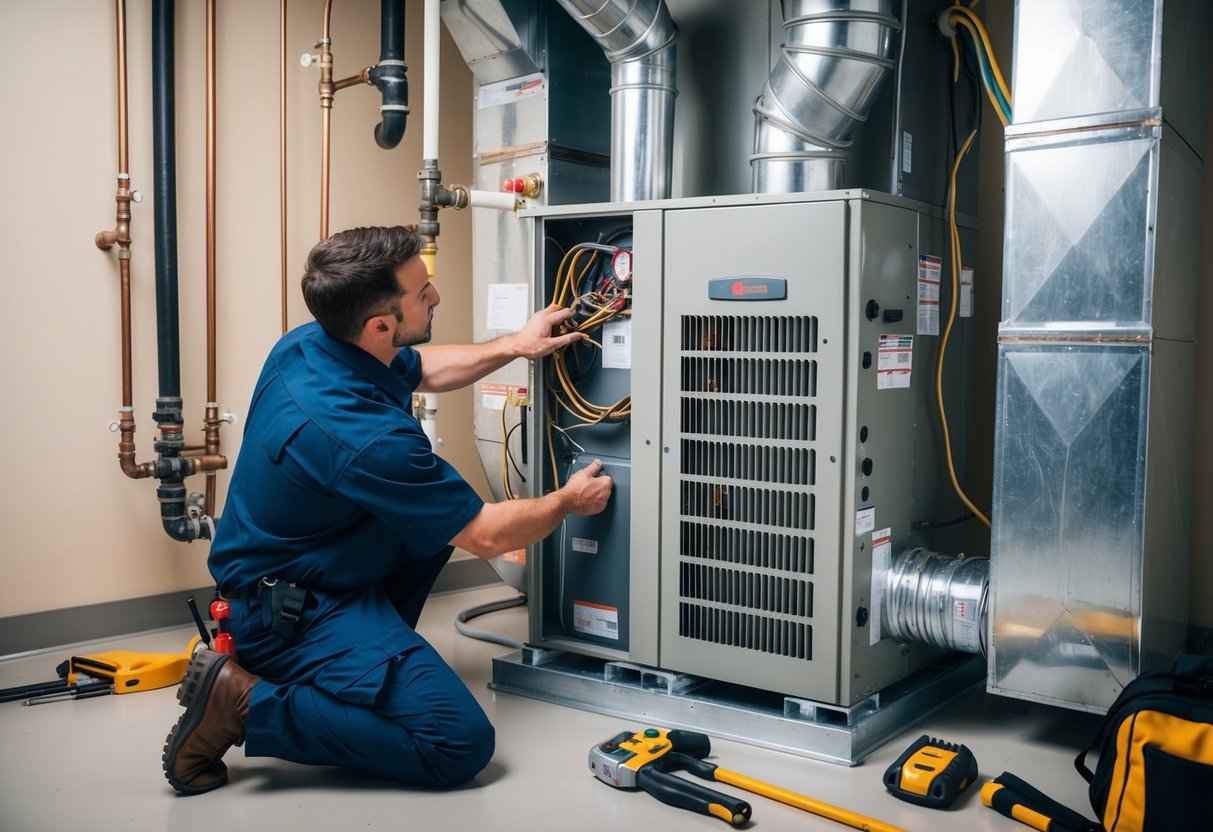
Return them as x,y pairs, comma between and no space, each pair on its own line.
514,524
452,366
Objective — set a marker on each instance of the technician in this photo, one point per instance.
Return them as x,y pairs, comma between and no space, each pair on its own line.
338,519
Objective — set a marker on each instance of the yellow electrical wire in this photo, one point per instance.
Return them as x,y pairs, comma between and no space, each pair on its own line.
505,458
954,231
980,29
959,15
562,390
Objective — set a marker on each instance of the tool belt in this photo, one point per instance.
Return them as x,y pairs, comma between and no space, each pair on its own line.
282,604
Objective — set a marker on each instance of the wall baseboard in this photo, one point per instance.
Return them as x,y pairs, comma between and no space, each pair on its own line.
43,630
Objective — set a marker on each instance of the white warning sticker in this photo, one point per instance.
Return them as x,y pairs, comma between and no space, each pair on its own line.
929,269
882,548
965,303
895,360
596,619
865,519
966,630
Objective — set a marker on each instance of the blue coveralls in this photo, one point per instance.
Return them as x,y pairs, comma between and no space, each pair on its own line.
338,490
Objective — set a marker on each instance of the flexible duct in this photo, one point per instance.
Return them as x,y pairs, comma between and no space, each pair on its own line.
939,600
638,38
831,67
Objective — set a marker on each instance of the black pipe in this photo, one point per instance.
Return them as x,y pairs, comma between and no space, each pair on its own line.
389,75
171,468
164,162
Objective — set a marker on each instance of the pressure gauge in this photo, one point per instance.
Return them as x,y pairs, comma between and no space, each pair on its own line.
621,265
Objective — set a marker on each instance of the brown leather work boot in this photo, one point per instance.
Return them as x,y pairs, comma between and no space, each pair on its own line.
215,693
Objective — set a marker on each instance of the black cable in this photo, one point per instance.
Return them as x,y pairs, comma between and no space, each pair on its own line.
923,525
509,455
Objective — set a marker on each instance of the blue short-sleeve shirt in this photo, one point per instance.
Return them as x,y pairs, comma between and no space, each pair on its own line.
336,482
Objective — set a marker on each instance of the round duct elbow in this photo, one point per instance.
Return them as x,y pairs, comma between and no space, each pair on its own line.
638,37
835,58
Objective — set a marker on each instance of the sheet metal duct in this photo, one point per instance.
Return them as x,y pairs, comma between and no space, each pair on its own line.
830,70
1097,348
638,38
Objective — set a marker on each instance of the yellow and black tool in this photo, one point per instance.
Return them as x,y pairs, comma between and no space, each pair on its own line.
931,773
129,671
649,758
1008,795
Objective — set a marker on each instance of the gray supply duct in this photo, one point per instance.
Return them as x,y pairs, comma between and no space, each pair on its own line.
638,38
833,62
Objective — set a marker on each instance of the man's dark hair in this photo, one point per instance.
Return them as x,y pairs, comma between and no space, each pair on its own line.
352,275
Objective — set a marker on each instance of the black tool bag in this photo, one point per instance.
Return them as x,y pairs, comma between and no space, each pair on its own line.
1155,770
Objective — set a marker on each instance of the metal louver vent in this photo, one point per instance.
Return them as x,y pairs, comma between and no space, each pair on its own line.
747,423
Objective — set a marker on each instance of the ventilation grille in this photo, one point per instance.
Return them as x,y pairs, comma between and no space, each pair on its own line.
752,419
755,590
766,463
761,506
724,333
744,630
749,376
748,418
746,547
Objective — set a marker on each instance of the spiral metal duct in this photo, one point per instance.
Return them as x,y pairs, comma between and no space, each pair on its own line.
938,599
833,62
638,38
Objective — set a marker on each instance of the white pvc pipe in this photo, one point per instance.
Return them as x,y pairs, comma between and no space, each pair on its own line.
429,120
501,200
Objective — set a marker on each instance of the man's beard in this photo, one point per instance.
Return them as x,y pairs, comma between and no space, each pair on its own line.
401,339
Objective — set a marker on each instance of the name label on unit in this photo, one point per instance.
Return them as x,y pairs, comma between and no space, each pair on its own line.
581,544
747,288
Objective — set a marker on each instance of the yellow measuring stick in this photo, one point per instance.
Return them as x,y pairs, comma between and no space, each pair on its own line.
808,804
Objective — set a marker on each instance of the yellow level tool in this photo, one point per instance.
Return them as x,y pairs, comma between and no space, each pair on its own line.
131,671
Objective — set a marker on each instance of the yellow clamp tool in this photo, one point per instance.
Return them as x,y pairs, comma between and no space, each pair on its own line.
647,760
130,671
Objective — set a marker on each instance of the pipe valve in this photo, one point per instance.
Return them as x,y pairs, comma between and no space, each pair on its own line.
307,59
527,186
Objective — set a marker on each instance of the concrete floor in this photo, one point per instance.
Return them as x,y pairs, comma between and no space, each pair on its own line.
95,764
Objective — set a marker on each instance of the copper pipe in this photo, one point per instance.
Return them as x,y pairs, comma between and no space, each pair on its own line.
326,116
120,11
121,235
212,460
328,90
363,77
282,149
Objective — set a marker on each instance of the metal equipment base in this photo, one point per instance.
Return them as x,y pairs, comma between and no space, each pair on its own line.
677,700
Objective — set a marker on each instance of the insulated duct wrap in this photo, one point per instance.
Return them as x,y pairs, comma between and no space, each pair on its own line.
638,38
833,62
939,600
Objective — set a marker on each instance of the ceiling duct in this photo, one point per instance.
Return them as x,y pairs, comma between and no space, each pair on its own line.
638,38
834,60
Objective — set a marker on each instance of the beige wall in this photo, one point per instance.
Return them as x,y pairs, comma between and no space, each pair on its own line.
73,529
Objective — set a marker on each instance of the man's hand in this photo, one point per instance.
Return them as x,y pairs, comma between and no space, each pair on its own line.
590,489
535,339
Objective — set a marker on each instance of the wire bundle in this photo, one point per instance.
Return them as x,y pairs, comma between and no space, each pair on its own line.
959,17
586,284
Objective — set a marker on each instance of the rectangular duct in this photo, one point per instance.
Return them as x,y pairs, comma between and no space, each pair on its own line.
1096,365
